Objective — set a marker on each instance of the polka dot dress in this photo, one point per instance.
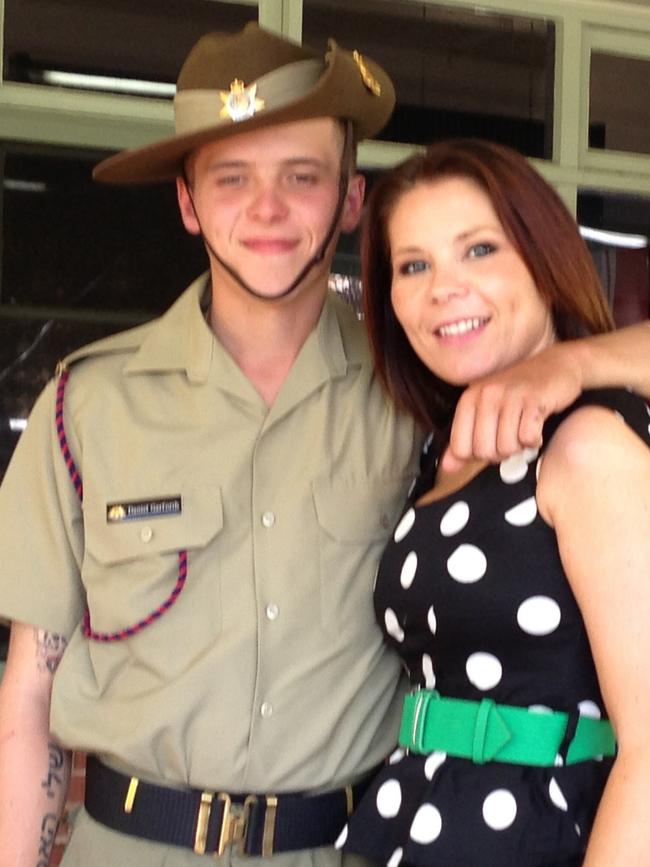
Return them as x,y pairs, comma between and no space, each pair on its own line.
471,594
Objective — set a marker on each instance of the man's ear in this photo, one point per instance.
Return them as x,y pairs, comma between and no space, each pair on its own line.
353,204
186,207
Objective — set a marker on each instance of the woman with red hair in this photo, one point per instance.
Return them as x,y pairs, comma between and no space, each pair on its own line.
516,594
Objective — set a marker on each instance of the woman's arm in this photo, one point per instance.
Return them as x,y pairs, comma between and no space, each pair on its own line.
594,489
503,413
34,770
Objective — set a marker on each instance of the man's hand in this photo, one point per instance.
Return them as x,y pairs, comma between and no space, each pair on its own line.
503,413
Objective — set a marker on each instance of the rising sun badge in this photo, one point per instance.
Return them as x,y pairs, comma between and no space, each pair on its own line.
240,102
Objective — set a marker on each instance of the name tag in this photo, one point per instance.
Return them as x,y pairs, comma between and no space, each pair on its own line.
137,510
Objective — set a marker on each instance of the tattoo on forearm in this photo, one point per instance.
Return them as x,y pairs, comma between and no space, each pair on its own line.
54,779
48,833
49,649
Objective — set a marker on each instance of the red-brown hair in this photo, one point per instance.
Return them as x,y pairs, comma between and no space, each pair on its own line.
535,220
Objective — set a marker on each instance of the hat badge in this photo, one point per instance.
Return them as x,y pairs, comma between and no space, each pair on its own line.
240,102
367,77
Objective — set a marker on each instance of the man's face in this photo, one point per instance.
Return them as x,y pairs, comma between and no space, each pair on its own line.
264,200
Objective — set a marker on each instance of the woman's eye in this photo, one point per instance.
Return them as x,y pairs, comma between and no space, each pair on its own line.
477,251
414,267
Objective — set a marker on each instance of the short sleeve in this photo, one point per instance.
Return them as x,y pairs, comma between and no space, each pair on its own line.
41,529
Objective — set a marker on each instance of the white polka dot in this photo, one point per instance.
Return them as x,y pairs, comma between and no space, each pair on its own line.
395,858
389,799
540,708
408,570
467,564
558,761
427,671
499,809
577,829
427,825
483,670
556,795
404,525
539,615
431,620
341,839
590,709
392,625
454,519
514,468
396,756
433,762
523,513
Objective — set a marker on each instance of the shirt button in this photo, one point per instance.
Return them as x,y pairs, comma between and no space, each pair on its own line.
268,519
146,534
266,709
272,611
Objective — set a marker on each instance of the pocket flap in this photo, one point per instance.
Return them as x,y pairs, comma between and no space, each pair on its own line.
353,511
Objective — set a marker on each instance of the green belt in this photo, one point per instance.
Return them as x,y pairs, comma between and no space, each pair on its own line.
484,731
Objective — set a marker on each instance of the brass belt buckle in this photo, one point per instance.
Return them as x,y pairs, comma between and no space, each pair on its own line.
231,824
234,824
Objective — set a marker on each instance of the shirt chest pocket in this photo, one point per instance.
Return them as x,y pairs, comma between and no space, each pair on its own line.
355,520
132,567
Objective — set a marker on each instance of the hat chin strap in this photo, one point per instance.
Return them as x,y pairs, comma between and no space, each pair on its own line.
318,256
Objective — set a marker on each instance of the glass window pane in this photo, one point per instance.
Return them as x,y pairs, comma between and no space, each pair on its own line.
71,243
622,257
457,71
619,116
148,39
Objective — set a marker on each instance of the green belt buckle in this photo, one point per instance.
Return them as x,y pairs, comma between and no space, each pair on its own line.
485,731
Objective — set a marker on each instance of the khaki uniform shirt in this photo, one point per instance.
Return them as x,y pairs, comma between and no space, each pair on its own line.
269,672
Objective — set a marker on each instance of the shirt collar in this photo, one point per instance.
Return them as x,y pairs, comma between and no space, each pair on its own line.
182,340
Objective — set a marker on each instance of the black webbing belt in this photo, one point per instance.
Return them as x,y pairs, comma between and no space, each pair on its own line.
207,822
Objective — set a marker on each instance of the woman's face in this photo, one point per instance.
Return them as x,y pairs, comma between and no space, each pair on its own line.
460,290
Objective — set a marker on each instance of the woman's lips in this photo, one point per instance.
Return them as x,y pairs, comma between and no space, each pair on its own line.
461,327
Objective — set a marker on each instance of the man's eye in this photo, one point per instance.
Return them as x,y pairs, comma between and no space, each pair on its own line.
477,251
303,179
414,267
230,180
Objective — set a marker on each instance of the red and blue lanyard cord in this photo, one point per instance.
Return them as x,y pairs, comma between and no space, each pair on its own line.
75,477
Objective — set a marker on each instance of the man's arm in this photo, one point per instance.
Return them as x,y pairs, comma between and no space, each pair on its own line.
503,413
34,770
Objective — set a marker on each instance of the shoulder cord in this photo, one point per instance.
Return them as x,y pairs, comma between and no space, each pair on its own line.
121,634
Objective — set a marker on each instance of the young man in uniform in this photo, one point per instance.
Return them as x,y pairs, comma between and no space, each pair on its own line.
191,523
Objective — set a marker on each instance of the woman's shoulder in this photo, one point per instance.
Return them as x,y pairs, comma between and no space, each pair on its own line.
615,405
598,443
